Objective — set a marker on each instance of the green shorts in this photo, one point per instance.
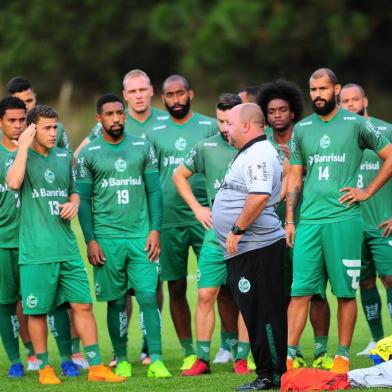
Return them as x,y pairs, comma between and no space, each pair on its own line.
330,251
48,285
212,271
126,267
376,254
175,243
9,276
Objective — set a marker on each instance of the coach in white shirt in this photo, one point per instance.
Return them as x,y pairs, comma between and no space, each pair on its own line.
251,234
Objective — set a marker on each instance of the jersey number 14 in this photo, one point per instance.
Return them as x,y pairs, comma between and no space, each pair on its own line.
323,173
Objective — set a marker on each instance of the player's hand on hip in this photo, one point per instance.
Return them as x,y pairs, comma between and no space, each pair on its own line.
289,228
153,245
353,195
68,210
387,226
27,137
204,216
95,254
232,241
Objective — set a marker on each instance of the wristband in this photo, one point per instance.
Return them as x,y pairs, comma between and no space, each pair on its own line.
289,223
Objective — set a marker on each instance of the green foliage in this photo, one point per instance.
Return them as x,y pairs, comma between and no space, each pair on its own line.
224,44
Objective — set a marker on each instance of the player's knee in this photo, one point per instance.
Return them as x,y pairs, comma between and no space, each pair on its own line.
118,303
146,300
387,281
81,308
225,293
177,289
367,284
206,298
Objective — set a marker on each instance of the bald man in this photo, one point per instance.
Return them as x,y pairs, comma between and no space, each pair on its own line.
252,237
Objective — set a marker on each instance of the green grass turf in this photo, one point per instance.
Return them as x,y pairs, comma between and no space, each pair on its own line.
221,379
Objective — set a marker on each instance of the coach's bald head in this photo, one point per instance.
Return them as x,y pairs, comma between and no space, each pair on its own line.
246,122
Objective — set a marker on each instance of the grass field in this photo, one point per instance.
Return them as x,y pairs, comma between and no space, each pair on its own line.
221,379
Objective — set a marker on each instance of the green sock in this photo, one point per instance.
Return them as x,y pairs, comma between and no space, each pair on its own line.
60,326
242,350
343,350
389,301
229,340
150,321
43,359
292,351
29,348
320,345
203,349
93,355
155,357
187,346
118,328
9,331
371,303
75,345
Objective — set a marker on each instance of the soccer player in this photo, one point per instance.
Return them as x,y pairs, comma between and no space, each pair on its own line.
12,123
120,215
173,140
376,245
282,103
22,88
211,157
329,145
249,94
51,269
140,115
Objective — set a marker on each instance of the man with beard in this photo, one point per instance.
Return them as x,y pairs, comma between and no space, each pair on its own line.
212,157
120,215
173,140
282,103
329,145
376,214
140,115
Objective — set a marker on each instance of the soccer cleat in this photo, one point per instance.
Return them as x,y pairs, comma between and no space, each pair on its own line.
199,367
341,365
158,370
188,362
32,363
145,359
48,376
69,369
113,362
223,356
260,384
251,362
323,361
241,366
368,348
295,363
103,373
16,370
79,360
123,369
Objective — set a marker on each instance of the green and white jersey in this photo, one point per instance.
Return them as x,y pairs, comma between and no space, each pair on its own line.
9,204
116,172
133,126
211,157
62,140
331,152
44,236
379,207
172,144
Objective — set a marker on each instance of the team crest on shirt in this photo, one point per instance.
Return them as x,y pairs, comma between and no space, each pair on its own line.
180,144
49,176
120,165
31,301
325,141
244,285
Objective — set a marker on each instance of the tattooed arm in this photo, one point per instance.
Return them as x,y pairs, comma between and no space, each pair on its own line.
294,186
